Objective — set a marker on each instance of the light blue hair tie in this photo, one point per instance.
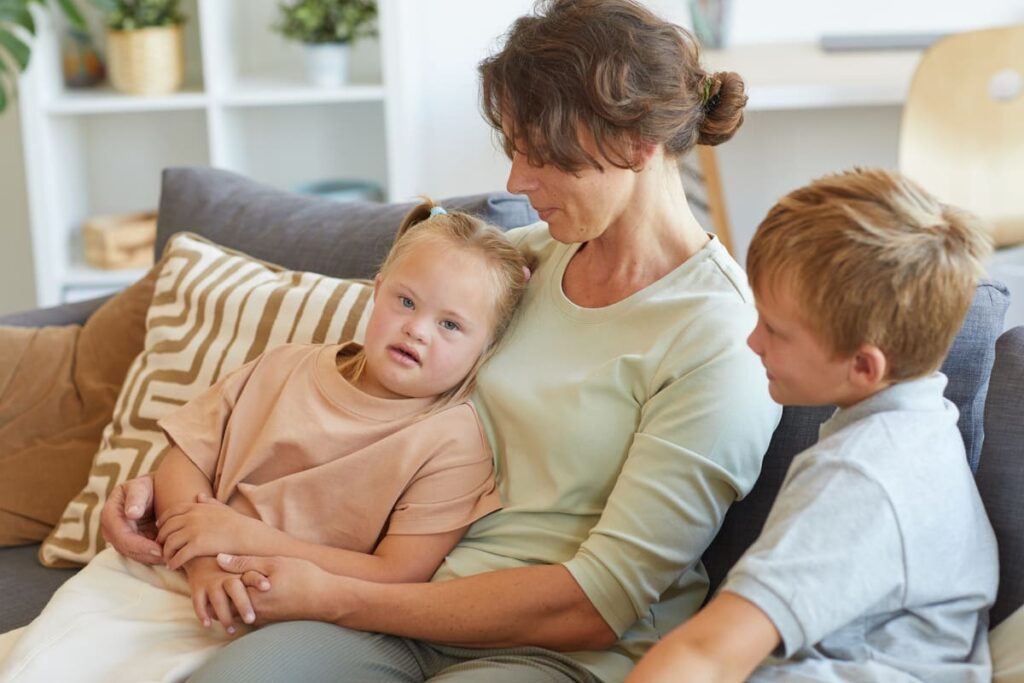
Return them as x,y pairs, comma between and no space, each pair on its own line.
435,210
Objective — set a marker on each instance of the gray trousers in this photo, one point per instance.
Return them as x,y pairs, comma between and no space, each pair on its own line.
315,651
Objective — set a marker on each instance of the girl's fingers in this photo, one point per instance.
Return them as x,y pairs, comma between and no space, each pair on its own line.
240,597
186,553
173,543
199,607
173,511
253,579
222,608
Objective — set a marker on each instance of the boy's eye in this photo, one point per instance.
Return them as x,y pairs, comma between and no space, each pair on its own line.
406,302
450,325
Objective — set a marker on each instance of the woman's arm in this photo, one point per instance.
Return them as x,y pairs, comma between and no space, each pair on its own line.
723,643
541,605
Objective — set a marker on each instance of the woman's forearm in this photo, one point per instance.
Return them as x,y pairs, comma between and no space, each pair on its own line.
541,606
177,480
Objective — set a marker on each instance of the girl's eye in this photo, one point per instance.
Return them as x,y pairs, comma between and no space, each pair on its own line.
450,325
405,301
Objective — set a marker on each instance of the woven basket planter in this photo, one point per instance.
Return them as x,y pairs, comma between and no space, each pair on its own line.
146,61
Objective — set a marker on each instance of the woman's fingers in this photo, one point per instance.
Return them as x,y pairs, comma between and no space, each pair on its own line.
138,497
240,564
123,533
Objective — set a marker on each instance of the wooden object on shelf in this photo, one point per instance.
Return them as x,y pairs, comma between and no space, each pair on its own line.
963,127
146,61
120,241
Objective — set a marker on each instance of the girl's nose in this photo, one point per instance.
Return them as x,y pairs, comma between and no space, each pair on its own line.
416,328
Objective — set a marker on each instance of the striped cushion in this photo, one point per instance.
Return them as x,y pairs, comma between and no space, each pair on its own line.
213,310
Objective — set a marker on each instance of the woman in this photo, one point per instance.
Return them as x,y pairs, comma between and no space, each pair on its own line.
625,411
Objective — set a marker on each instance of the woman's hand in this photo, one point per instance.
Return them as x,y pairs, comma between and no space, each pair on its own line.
217,593
127,521
207,527
286,588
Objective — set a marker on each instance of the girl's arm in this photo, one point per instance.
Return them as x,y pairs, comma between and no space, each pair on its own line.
724,642
206,528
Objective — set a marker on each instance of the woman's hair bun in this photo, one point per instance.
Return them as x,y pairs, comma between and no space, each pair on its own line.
723,111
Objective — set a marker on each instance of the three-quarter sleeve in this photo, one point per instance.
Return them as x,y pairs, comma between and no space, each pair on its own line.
697,449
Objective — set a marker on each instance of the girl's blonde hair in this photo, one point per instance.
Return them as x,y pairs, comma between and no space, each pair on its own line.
509,270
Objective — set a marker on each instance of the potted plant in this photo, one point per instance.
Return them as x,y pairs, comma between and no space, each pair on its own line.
17,26
145,55
327,28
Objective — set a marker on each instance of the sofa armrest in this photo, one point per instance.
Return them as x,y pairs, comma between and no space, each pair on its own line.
67,314
1000,475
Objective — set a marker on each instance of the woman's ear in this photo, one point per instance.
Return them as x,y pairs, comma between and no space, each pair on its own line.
643,152
869,367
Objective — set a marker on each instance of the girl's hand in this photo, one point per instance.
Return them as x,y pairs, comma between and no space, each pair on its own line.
217,593
206,527
287,588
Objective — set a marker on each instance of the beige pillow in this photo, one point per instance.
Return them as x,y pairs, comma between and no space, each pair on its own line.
58,386
1007,644
213,310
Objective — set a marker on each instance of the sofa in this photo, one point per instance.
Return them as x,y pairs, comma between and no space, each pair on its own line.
985,368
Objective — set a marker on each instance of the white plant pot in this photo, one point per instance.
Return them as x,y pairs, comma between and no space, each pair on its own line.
327,64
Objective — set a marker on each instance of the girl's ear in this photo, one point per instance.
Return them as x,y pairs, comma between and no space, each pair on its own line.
376,286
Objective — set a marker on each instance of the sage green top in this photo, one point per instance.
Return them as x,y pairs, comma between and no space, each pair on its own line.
621,435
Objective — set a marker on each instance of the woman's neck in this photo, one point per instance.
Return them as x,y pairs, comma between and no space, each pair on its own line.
648,241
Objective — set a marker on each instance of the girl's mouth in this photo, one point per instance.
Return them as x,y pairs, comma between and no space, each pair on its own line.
404,354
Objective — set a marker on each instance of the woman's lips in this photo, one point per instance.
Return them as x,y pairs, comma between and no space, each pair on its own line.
545,213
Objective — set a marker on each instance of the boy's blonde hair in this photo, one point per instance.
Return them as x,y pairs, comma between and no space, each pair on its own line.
872,257
508,268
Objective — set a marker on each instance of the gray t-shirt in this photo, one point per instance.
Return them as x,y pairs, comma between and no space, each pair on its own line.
877,562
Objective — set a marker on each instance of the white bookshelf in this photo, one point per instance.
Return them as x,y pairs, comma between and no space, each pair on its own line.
246,106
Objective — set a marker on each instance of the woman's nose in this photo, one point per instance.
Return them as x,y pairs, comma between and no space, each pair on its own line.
521,177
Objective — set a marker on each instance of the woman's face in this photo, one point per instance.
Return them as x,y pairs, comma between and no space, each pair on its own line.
577,207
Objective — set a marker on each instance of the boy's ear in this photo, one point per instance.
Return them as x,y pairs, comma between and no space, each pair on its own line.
869,367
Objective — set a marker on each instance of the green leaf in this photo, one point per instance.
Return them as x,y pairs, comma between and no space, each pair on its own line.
14,14
18,50
4,79
71,12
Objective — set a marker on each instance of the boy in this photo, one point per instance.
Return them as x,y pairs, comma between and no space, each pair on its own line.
877,562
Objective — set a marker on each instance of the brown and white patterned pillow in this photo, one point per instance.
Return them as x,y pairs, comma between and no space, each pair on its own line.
213,310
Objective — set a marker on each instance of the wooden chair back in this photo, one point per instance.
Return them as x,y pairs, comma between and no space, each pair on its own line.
962,132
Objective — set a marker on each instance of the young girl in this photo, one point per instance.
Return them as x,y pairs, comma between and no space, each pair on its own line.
367,461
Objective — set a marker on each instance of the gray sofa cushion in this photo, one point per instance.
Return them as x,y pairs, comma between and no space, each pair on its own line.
301,232
968,366
1001,472
26,585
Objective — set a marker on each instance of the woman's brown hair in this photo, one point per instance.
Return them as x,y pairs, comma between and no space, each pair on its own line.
613,67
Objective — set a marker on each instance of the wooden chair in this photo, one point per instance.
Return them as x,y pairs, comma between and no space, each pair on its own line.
703,185
962,133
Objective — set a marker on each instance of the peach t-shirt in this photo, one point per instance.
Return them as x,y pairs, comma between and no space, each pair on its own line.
287,439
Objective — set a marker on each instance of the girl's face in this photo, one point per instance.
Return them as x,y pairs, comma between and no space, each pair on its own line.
577,207
432,319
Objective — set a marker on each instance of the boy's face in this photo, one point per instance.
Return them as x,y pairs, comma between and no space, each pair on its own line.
801,370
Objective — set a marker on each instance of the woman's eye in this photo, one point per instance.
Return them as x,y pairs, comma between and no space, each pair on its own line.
405,301
450,325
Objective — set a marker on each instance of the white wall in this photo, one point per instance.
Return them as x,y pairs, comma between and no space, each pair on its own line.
17,288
